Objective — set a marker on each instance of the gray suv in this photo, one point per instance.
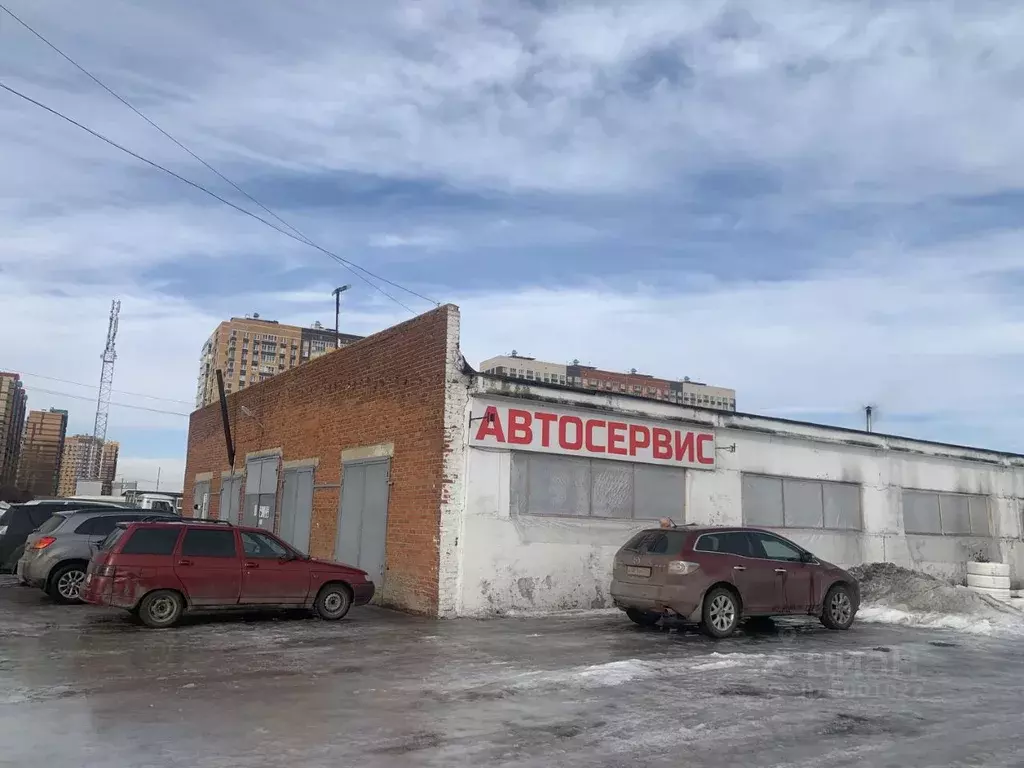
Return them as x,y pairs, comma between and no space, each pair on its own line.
58,552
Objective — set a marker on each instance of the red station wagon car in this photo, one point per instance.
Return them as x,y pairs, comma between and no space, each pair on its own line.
160,570
716,576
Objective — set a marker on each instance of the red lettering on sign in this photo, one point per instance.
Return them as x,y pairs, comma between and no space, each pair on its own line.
617,438
593,424
662,443
701,457
639,437
684,446
490,425
546,420
519,431
563,437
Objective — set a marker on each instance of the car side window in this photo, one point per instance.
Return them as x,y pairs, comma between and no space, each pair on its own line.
202,542
709,542
103,526
151,541
772,548
727,542
258,545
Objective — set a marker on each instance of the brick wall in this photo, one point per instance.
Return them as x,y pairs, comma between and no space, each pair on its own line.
387,388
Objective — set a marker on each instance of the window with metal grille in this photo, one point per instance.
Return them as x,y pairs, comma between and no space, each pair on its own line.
790,502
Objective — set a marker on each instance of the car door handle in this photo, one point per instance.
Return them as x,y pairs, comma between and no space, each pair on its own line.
251,564
185,562
739,567
780,570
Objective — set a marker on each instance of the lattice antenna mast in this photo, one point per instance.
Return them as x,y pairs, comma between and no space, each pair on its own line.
99,430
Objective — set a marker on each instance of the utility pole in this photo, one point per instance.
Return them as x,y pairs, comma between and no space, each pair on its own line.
158,478
337,311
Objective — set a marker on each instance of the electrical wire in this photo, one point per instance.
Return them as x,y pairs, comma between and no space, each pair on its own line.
119,405
350,266
304,238
93,386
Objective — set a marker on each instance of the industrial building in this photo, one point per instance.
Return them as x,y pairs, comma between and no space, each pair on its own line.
250,349
472,494
41,451
12,424
682,391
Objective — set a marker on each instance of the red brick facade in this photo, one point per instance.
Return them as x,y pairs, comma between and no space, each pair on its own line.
387,388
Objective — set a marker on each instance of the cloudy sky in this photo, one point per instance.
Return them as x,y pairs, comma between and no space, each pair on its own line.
817,204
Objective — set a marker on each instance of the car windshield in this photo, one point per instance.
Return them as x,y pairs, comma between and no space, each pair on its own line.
112,538
52,524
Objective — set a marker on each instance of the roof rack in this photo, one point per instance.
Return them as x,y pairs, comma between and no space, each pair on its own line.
176,520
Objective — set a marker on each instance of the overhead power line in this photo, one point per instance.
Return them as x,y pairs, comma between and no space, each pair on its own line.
301,236
119,405
93,386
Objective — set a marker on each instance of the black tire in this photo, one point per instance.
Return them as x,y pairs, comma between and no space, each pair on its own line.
333,601
161,609
643,618
838,611
720,614
65,583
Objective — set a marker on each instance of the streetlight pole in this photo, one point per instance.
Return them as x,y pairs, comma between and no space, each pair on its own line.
337,311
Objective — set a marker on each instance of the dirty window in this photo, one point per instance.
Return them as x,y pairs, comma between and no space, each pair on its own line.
949,514
789,502
543,484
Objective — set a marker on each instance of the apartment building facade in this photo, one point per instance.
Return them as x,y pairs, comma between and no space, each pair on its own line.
108,465
250,350
41,451
682,392
78,461
12,424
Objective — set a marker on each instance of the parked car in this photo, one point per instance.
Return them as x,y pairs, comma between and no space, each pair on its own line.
58,552
718,576
19,520
161,570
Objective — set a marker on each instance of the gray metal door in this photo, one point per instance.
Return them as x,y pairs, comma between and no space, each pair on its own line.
260,492
230,490
363,522
297,507
201,500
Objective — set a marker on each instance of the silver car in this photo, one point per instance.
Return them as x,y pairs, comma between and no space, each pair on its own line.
58,552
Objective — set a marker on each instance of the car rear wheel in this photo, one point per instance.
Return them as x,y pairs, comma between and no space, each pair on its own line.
643,618
333,602
65,586
838,611
161,609
721,613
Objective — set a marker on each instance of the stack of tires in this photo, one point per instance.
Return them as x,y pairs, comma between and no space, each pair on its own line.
992,579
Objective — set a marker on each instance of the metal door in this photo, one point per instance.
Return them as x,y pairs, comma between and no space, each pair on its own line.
201,500
230,490
297,507
363,521
260,492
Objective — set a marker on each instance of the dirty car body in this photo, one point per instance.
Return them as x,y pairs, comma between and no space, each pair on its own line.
675,571
202,566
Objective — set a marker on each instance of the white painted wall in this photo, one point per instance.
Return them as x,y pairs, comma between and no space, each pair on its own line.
526,563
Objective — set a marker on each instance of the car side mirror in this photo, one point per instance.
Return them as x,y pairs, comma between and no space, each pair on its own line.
806,557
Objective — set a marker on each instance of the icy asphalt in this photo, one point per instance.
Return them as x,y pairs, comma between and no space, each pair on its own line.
85,687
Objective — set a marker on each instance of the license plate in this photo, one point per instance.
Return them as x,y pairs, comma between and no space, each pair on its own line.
638,570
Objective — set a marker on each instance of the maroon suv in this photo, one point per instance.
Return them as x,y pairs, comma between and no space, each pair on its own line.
716,576
160,570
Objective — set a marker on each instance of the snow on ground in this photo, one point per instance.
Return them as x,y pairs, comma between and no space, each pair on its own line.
894,595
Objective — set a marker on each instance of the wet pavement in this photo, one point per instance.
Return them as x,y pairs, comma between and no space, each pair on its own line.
85,687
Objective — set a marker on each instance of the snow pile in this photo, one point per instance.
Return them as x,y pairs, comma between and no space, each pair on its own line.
895,595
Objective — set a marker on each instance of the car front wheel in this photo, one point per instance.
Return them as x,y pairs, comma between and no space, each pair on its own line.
161,609
838,611
333,602
721,613
65,586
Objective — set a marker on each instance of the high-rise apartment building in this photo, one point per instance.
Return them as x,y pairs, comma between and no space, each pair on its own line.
41,451
249,350
683,391
108,465
12,424
77,462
